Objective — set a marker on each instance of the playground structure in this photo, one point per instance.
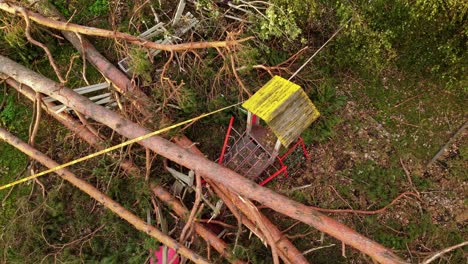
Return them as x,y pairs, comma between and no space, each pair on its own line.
287,111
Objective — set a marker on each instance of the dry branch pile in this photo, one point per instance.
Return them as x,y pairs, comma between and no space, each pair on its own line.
240,195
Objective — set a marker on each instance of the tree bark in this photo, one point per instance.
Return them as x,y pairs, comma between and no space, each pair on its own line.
68,121
199,164
101,197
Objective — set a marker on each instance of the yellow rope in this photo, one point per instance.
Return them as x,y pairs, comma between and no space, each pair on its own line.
104,151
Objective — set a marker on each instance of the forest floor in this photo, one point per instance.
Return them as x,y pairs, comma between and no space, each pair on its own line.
388,132
372,143
381,148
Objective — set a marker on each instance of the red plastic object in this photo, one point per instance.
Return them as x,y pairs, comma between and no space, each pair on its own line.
172,256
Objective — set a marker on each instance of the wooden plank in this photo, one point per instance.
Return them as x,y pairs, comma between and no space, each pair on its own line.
297,117
270,97
83,90
285,107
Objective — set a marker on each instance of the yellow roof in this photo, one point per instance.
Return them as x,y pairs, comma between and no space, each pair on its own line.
285,107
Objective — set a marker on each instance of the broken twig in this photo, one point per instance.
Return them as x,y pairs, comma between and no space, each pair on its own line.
440,253
444,147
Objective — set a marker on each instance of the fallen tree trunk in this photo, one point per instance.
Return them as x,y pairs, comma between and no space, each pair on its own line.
183,213
69,122
108,70
92,31
199,164
288,252
128,166
101,197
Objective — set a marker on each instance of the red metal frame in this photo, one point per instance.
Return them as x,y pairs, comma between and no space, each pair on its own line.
299,141
274,175
226,139
281,159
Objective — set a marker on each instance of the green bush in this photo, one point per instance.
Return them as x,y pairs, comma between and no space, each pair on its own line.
99,7
426,37
62,6
188,100
327,102
278,22
140,64
377,184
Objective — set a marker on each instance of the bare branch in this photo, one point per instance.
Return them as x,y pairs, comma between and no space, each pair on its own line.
37,43
102,198
440,253
92,31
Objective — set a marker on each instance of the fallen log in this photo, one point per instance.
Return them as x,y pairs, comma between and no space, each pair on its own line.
202,231
288,252
101,197
120,81
92,31
203,166
127,165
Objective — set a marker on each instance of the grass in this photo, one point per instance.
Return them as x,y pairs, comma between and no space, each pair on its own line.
15,118
378,184
420,115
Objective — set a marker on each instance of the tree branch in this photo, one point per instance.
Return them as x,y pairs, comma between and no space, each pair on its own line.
440,253
101,197
92,31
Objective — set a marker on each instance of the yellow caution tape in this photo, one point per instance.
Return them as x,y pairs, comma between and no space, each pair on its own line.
107,150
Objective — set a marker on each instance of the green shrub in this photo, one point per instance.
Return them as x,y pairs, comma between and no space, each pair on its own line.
62,6
99,7
377,184
426,37
327,102
278,22
223,117
188,100
140,64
